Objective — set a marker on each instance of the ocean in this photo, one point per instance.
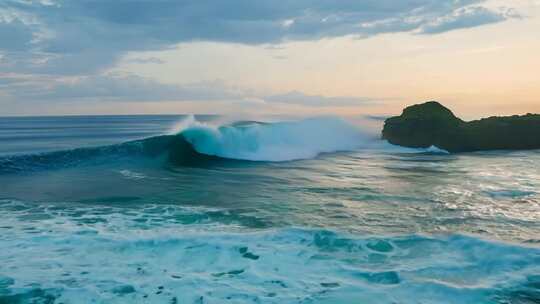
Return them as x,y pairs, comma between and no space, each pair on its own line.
204,209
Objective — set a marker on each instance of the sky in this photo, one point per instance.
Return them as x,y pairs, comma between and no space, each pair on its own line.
257,57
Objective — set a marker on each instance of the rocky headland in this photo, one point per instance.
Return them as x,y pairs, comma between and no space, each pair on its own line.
432,124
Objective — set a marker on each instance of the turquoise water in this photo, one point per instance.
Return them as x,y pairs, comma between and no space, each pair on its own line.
172,209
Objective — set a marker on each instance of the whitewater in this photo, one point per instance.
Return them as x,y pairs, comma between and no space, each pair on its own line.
206,209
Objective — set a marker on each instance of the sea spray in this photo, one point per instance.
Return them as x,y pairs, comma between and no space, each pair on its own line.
282,141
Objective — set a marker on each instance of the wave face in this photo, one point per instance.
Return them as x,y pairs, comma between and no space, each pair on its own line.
173,148
281,141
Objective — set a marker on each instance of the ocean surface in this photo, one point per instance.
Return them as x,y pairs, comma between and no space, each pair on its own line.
183,209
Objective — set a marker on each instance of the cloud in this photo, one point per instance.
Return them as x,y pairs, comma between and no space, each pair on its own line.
61,50
132,88
300,98
82,37
99,88
465,18
150,60
14,36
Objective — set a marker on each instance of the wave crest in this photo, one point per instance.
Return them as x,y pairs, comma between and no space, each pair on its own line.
282,141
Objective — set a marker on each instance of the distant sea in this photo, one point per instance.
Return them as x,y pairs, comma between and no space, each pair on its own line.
109,209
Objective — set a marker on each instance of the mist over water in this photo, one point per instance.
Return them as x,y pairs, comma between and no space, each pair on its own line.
308,211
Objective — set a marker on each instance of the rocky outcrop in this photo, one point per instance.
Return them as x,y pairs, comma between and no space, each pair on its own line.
432,124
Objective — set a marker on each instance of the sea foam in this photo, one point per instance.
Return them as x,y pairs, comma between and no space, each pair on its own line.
165,261
281,141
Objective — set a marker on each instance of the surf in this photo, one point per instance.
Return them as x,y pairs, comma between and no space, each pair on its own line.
281,141
321,265
195,143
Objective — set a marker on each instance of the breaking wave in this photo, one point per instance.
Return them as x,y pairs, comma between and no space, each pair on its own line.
281,141
192,143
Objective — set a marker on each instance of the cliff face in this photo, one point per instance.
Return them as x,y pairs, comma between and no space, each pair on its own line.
431,124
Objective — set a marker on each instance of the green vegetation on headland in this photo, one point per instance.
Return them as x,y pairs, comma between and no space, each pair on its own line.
432,124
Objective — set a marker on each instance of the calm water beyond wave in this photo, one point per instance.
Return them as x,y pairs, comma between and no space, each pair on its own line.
107,210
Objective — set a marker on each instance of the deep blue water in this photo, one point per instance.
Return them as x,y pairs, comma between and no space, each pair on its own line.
105,209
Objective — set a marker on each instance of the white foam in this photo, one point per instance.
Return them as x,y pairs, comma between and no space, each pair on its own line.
436,150
282,141
176,265
131,174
